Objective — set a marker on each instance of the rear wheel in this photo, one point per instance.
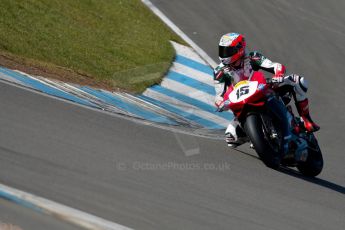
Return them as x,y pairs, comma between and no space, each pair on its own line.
260,137
314,163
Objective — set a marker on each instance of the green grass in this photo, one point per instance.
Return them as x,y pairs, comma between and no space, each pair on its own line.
117,42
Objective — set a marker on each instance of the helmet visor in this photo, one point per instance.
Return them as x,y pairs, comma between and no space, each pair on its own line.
226,51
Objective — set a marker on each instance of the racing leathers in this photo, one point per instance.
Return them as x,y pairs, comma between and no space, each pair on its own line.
226,75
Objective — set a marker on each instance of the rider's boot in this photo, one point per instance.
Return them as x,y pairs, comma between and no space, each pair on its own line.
234,135
303,110
234,145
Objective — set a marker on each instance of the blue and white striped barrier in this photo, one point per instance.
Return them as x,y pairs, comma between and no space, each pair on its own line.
185,96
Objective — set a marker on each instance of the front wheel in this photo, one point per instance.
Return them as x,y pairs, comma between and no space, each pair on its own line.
255,130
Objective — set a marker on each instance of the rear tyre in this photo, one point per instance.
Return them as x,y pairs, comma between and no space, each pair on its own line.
314,163
255,130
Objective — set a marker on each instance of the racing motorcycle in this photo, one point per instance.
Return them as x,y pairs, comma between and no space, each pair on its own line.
263,115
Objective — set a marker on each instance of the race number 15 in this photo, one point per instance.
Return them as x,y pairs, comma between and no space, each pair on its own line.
242,91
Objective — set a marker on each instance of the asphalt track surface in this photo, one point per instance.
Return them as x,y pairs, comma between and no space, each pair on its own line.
142,177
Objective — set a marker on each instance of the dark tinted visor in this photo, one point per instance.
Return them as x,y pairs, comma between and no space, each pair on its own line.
226,52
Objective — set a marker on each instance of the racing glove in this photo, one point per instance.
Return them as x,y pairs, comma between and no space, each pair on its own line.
278,78
279,71
224,106
218,100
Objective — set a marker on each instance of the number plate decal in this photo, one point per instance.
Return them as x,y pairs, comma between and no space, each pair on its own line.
243,90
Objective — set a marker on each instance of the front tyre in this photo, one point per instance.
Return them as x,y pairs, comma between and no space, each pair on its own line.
256,132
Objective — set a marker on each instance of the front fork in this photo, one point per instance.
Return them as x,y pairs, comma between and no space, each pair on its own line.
277,108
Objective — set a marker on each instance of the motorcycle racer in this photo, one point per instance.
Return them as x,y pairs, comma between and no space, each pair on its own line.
238,64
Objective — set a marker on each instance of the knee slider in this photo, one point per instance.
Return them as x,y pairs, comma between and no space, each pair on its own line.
303,84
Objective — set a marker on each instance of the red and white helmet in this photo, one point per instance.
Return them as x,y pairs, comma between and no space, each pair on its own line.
231,48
